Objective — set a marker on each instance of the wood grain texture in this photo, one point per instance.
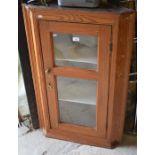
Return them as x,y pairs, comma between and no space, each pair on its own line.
32,61
120,69
73,28
104,32
83,139
48,60
111,26
103,78
78,73
103,15
34,53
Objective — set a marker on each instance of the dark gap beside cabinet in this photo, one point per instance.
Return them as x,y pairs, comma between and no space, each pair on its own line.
26,69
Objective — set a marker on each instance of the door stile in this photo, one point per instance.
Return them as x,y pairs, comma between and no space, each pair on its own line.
103,79
48,57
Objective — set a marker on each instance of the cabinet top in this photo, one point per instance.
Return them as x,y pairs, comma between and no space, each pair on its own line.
102,9
103,15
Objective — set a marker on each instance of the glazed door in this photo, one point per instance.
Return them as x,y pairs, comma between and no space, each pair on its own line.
76,62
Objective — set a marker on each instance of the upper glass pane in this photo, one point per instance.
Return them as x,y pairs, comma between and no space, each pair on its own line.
75,50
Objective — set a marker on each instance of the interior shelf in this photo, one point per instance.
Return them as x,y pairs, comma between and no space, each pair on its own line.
80,60
74,63
76,90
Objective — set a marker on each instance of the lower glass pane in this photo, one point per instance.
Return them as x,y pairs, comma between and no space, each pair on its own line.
77,101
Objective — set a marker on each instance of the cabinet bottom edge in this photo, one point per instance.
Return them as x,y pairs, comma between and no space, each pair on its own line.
81,139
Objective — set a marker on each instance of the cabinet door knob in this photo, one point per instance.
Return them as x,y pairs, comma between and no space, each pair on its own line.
48,71
49,85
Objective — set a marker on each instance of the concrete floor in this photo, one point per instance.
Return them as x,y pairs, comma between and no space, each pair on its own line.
35,143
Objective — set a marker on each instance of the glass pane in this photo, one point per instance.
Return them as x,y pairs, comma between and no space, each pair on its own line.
77,101
75,50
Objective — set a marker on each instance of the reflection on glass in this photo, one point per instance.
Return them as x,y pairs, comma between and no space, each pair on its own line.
75,50
77,101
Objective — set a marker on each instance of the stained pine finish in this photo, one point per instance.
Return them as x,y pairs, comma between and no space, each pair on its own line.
114,29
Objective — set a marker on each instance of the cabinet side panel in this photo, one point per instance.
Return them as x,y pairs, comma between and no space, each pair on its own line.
30,49
103,78
123,60
37,66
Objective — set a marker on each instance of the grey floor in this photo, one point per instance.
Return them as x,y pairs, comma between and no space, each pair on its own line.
35,143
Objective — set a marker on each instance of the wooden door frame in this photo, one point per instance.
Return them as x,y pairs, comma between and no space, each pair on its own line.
104,34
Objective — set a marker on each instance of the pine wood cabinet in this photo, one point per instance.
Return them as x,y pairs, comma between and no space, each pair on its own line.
80,60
